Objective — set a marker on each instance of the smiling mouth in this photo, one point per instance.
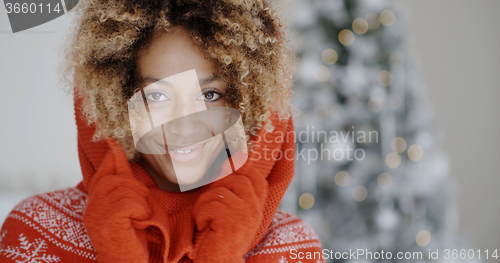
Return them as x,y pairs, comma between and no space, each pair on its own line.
185,149
185,154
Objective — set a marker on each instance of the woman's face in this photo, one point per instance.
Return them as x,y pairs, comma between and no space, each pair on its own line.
179,84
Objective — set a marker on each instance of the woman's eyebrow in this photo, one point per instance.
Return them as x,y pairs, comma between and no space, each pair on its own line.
208,80
202,81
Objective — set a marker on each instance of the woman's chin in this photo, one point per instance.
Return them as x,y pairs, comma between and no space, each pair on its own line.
186,175
188,180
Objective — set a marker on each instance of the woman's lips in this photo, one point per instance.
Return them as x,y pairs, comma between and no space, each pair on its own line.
186,154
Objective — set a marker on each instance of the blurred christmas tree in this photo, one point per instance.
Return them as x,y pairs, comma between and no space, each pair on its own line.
369,171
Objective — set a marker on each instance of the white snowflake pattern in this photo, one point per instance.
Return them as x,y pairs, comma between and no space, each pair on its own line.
29,252
2,235
70,198
285,233
65,198
52,214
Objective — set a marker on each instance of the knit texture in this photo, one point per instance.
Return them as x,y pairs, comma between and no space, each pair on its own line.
179,206
50,227
119,214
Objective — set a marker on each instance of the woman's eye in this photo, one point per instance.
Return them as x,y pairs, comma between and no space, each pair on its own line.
156,96
210,96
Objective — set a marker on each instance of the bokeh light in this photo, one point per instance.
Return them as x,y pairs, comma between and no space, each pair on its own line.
359,193
360,26
398,145
373,20
342,178
306,201
322,73
346,37
387,18
375,104
423,238
384,78
415,152
384,180
393,160
329,56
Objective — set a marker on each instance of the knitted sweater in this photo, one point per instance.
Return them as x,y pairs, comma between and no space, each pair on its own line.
48,228
51,227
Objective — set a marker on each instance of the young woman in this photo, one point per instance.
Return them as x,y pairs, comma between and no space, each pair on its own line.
157,86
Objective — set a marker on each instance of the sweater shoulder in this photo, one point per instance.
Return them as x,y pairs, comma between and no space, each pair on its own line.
287,234
52,219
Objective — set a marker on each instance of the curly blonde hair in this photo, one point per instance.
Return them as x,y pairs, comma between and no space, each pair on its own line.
238,35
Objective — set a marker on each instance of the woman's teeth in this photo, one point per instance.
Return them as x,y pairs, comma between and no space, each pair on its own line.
183,152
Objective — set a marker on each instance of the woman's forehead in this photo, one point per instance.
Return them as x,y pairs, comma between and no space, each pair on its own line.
171,53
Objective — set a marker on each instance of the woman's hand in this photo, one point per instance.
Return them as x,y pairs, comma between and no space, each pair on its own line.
118,212
228,216
113,206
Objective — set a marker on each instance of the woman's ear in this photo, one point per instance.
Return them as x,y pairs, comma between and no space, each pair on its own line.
277,30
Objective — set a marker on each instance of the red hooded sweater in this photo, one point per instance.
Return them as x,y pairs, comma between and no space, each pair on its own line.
119,214
52,227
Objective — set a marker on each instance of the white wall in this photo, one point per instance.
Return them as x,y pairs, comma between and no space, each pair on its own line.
38,132
458,42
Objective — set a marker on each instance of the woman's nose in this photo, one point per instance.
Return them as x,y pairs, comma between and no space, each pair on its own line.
185,120
184,126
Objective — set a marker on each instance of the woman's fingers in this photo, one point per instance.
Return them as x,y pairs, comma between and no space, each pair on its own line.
245,185
259,183
208,215
215,205
240,185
